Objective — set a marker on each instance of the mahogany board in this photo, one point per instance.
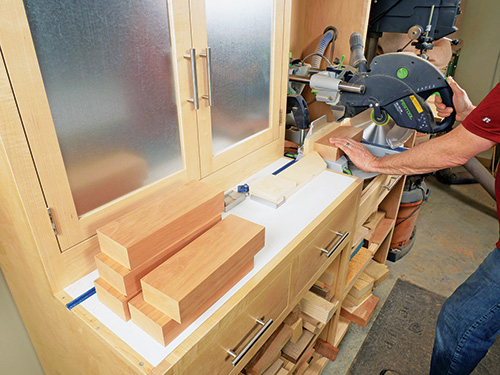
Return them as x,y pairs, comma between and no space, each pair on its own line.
164,329
329,151
140,234
360,314
181,284
326,349
113,299
128,282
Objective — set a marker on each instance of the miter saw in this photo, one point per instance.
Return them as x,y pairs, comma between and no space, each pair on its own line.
392,91
387,98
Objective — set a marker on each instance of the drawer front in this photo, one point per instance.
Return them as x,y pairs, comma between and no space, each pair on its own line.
323,249
240,331
373,194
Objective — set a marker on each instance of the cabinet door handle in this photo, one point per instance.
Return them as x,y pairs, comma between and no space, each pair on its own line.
258,335
208,55
194,74
389,187
336,245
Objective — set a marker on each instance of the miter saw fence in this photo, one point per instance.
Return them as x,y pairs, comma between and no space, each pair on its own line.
394,87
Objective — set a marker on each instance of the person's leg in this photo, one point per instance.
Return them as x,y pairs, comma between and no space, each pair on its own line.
469,321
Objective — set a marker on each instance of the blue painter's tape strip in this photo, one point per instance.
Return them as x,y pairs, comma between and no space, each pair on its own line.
284,167
89,293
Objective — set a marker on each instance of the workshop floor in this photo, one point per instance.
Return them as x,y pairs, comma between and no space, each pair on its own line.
456,230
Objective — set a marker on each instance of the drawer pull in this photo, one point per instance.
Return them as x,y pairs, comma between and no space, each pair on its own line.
194,76
336,245
389,187
258,335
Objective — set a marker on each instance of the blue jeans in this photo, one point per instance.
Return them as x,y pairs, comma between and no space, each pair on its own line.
469,321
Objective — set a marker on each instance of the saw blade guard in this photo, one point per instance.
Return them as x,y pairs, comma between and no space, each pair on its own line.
385,133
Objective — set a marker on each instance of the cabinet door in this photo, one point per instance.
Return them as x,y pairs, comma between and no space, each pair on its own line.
97,88
239,78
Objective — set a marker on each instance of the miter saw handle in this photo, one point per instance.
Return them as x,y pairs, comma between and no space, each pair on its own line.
446,94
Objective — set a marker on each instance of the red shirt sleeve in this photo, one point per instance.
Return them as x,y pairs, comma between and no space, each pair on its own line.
484,121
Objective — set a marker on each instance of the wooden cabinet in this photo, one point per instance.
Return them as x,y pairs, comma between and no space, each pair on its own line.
39,264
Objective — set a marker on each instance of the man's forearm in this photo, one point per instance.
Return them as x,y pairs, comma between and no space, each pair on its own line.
449,150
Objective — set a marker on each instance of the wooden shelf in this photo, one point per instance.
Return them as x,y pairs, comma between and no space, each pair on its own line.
357,264
342,327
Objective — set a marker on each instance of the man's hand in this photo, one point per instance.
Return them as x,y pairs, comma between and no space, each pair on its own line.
359,155
461,101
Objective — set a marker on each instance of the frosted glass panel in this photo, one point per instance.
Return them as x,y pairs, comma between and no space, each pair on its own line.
107,71
239,33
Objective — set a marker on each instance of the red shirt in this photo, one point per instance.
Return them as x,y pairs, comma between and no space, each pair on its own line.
485,122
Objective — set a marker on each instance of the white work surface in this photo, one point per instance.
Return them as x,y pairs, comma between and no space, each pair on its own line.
282,225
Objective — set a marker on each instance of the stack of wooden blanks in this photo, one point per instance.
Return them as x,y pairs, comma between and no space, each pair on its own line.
184,286
361,289
377,271
136,243
329,151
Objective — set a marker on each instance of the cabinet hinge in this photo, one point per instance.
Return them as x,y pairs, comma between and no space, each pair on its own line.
281,117
52,220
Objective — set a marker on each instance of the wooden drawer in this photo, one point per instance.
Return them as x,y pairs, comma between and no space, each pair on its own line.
333,236
373,194
239,331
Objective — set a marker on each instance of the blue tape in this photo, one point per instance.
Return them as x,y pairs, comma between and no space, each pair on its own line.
89,293
284,167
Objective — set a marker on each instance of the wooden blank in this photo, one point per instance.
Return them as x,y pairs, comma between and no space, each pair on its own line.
180,285
311,324
317,307
326,350
292,351
274,368
270,351
329,151
164,329
296,329
272,188
362,285
305,169
374,220
293,316
357,265
317,366
377,271
128,282
357,300
140,234
378,235
113,299
360,314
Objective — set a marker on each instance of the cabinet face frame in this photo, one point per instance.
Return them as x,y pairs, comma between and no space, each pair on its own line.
29,91
210,162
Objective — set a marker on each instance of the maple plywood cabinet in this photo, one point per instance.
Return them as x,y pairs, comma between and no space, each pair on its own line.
51,203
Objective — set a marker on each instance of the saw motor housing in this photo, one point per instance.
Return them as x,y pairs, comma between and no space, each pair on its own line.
398,85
